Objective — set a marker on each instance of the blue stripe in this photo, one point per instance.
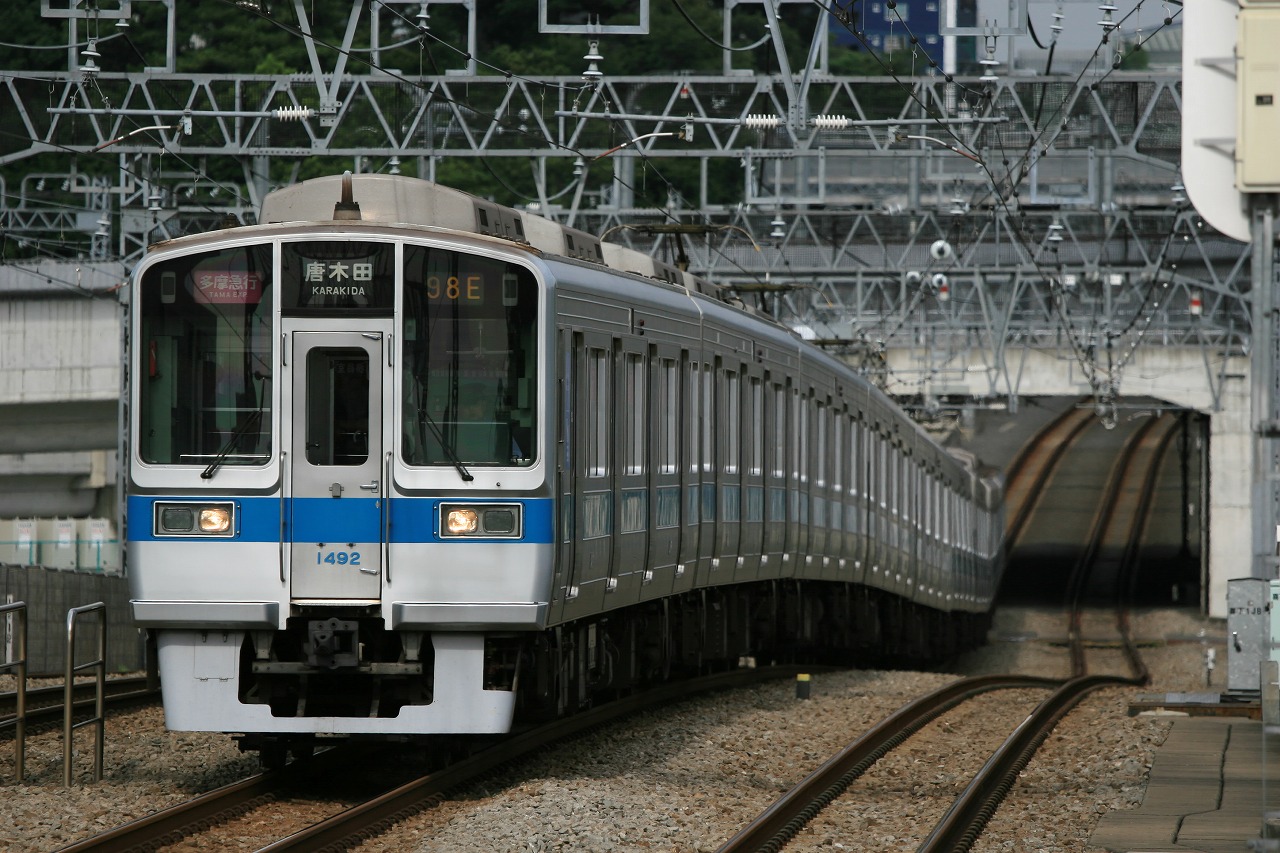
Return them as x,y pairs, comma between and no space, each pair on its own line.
336,520
417,519
413,520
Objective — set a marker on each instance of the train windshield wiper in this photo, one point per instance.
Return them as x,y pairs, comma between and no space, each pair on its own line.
249,423
446,447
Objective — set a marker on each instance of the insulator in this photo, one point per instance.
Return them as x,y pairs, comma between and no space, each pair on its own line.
592,57
763,122
826,122
293,113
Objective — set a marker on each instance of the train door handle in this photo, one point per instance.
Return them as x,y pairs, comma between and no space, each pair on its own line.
370,487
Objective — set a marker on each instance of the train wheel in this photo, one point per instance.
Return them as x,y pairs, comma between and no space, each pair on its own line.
273,754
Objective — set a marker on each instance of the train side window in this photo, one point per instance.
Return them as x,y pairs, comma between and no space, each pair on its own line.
694,427
598,413
819,471
708,418
755,427
890,476
668,398
837,456
634,414
882,470
799,436
855,457
731,421
806,406
779,424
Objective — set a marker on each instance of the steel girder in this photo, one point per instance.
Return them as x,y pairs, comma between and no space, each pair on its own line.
1059,198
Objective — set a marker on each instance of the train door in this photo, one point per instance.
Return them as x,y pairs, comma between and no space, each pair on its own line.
727,448
338,518
690,471
775,529
593,474
664,471
751,541
704,407
632,425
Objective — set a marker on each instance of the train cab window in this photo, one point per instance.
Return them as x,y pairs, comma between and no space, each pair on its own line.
468,367
204,342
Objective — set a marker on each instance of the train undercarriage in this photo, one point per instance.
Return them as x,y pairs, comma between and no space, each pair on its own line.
347,665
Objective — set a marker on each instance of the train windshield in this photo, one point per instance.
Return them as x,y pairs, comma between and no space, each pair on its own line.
470,358
204,350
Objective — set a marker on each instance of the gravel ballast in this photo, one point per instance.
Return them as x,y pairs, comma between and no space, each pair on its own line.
688,778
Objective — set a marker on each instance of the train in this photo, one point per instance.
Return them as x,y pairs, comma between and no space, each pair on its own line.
399,461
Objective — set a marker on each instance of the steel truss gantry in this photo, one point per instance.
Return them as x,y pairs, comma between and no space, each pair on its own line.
1057,199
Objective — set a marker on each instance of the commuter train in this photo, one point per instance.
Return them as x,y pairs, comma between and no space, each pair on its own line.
400,461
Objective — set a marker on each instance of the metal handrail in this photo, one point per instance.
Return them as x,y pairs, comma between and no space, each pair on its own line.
18,663
100,666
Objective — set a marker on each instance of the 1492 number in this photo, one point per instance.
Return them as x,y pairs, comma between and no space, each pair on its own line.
338,558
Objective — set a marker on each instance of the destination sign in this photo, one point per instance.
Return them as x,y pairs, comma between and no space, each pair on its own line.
224,280
338,275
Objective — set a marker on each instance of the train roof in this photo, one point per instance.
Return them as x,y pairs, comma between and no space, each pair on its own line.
402,200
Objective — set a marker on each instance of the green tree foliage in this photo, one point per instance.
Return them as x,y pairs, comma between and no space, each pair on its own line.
221,37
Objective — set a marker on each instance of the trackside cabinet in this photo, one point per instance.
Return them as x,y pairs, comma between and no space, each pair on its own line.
1249,631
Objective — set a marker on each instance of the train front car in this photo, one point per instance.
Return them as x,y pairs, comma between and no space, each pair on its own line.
338,518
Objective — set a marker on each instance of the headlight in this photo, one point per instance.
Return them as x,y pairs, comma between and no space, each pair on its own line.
215,519
194,519
481,521
460,522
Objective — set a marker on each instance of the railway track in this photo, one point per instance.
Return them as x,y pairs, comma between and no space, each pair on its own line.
1106,564
372,815
45,704
1035,464
779,823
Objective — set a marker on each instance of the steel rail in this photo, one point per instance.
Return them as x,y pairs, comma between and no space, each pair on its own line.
342,830
170,825
968,816
120,693
1025,482
779,823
